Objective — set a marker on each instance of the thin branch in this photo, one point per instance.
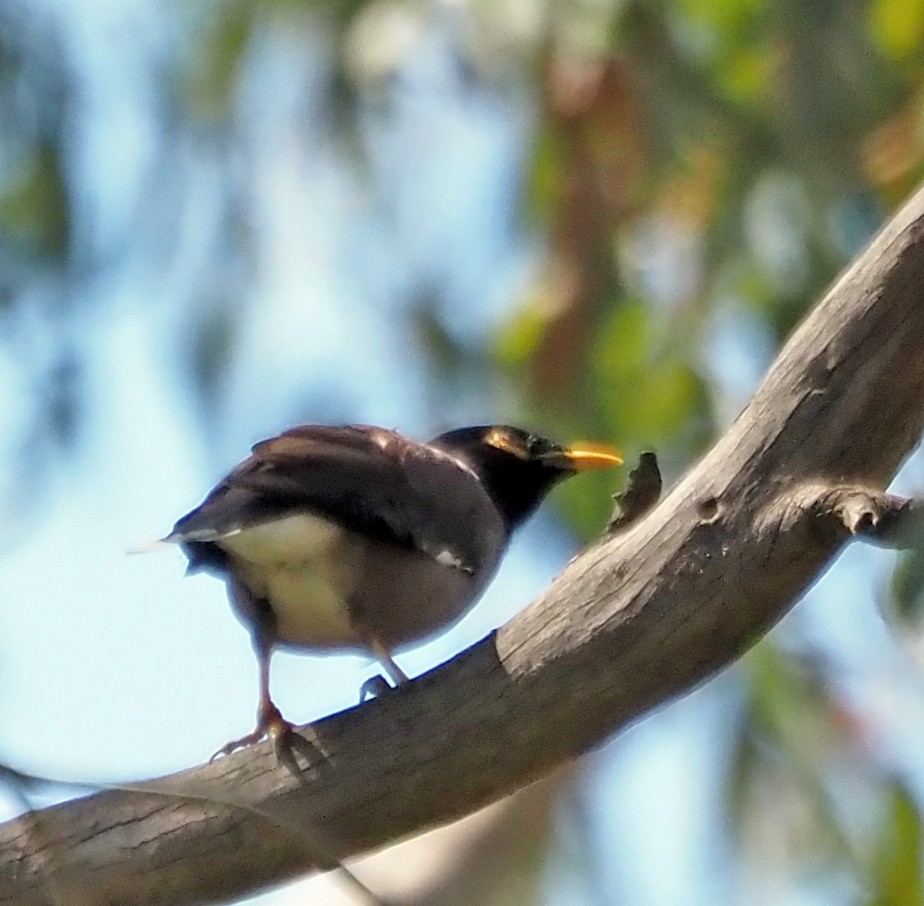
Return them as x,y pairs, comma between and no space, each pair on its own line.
636,620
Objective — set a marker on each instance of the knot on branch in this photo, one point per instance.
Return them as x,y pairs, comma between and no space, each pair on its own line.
851,511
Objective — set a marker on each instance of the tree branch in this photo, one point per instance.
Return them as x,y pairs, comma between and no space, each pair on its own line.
850,511
636,620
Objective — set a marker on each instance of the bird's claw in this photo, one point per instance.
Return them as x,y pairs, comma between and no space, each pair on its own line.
374,687
235,744
287,743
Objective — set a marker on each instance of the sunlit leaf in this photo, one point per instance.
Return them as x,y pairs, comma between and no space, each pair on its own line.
898,26
521,336
748,74
622,344
897,870
728,17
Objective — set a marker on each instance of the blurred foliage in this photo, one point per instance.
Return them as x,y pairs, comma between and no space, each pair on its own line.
794,758
897,870
906,601
687,163
33,208
908,588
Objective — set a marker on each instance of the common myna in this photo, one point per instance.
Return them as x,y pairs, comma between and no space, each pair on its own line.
356,538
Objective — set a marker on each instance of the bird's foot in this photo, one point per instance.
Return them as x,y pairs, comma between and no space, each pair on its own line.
287,743
374,687
377,686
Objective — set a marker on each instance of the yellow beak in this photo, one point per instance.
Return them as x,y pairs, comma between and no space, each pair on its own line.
584,457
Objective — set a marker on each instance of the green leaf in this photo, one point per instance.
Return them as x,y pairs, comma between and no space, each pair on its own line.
897,26
907,599
34,205
210,84
897,877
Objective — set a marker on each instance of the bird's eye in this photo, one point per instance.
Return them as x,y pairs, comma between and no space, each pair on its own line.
535,445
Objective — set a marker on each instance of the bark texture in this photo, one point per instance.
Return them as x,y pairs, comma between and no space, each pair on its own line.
645,615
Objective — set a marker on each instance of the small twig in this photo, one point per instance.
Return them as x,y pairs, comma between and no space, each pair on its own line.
886,520
858,511
642,491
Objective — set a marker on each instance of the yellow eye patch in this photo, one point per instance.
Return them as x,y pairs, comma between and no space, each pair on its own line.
501,440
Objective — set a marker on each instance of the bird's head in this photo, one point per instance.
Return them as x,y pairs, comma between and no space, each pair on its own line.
518,468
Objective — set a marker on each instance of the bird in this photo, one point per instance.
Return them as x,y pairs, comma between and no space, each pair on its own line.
356,538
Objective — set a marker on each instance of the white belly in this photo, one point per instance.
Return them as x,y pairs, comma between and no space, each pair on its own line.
287,540
304,566
331,588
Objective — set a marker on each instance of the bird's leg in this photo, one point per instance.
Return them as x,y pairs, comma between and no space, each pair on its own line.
270,722
287,743
398,676
378,685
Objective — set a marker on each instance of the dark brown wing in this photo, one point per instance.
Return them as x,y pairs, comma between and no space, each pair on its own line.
369,480
350,474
